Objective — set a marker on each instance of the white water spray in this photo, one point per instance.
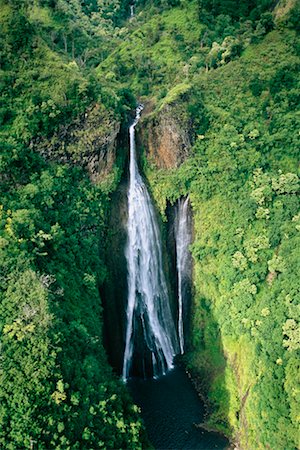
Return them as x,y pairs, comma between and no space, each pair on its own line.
148,307
183,259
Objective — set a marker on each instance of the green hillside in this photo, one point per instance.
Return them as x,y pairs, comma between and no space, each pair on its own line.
57,390
243,184
71,72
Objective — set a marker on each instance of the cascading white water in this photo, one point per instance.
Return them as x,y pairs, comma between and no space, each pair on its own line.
183,259
148,307
131,11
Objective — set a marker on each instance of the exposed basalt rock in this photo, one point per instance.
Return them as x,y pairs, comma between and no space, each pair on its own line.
165,136
90,141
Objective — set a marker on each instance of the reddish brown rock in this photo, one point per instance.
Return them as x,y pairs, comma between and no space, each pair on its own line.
165,137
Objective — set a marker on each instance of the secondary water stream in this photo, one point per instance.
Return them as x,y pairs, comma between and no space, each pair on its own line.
183,239
131,11
170,406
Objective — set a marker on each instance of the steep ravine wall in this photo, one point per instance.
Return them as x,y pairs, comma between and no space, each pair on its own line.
165,136
90,141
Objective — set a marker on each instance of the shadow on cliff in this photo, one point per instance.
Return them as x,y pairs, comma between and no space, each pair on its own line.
114,290
207,366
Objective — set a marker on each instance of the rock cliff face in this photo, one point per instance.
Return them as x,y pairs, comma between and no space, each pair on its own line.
90,141
165,136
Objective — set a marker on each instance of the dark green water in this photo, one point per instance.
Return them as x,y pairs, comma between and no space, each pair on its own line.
170,409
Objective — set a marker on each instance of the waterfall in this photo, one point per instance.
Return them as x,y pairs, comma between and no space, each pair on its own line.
131,11
183,260
149,318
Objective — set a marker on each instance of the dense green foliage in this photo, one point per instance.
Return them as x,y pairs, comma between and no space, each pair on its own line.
231,69
164,45
244,189
56,388
236,9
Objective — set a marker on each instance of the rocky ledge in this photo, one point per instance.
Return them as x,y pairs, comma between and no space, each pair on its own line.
90,141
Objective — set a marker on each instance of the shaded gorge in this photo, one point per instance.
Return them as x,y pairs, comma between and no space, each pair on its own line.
147,300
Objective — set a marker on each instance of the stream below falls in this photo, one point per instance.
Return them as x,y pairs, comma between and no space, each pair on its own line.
171,409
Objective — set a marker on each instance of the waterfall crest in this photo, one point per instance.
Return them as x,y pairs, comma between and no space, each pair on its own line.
149,316
183,260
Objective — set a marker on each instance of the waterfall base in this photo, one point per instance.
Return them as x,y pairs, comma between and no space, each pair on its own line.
171,410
